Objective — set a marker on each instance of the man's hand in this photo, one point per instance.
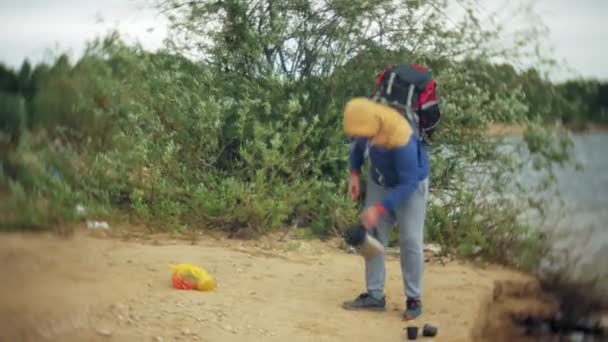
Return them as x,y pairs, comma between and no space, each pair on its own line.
370,217
354,185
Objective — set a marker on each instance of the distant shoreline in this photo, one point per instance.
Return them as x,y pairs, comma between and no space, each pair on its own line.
509,130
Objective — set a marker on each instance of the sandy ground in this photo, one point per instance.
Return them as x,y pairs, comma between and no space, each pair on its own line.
101,288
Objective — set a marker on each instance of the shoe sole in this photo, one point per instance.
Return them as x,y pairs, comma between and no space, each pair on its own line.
410,317
365,308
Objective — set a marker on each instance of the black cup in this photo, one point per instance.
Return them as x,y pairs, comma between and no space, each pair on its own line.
429,330
412,333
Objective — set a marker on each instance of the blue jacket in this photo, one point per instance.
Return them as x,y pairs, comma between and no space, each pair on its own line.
399,168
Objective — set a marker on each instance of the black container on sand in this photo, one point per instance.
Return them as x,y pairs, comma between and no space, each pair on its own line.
429,331
412,332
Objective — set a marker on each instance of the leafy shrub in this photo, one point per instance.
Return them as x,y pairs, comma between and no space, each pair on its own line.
251,140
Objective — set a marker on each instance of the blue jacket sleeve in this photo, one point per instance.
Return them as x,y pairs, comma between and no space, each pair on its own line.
406,162
357,150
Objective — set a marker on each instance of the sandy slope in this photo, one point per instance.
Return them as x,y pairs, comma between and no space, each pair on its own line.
91,288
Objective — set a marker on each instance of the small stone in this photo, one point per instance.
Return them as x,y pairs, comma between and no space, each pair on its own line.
104,332
118,306
395,252
158,339
186,331
428,256
544,329
433,248
577,337
603,321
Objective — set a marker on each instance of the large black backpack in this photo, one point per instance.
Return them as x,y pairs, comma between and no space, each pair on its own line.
411,89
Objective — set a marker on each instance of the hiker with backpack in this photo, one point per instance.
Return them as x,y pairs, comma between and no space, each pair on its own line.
394,127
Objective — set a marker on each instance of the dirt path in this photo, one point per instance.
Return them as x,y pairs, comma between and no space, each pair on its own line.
104,289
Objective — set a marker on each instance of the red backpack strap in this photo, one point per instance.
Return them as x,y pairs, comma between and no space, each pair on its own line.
380,77
428,96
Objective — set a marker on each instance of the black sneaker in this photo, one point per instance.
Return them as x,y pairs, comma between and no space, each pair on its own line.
413,309
365,302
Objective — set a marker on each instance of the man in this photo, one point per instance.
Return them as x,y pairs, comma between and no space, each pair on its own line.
397,191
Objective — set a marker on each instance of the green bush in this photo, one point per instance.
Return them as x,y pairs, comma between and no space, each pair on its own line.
42,183
251,140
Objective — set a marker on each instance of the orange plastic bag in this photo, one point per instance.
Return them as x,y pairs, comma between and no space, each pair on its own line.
190,277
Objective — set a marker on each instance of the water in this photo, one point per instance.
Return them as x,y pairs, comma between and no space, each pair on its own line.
582,201
583,218
585,192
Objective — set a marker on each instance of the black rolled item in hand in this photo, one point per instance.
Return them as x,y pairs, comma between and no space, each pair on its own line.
355,235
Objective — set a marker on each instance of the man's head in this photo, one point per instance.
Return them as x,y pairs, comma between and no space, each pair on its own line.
380,123
360,120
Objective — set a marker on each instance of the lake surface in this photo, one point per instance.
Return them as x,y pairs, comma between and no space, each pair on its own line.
585,191
583,216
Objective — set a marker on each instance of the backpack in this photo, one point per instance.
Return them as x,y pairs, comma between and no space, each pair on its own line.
413,91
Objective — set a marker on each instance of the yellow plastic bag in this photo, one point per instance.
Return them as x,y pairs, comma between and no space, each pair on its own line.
190,277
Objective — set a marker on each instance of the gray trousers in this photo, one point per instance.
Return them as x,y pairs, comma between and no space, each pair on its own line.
409,216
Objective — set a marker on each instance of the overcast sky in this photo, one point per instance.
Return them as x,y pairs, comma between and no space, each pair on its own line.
35,28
